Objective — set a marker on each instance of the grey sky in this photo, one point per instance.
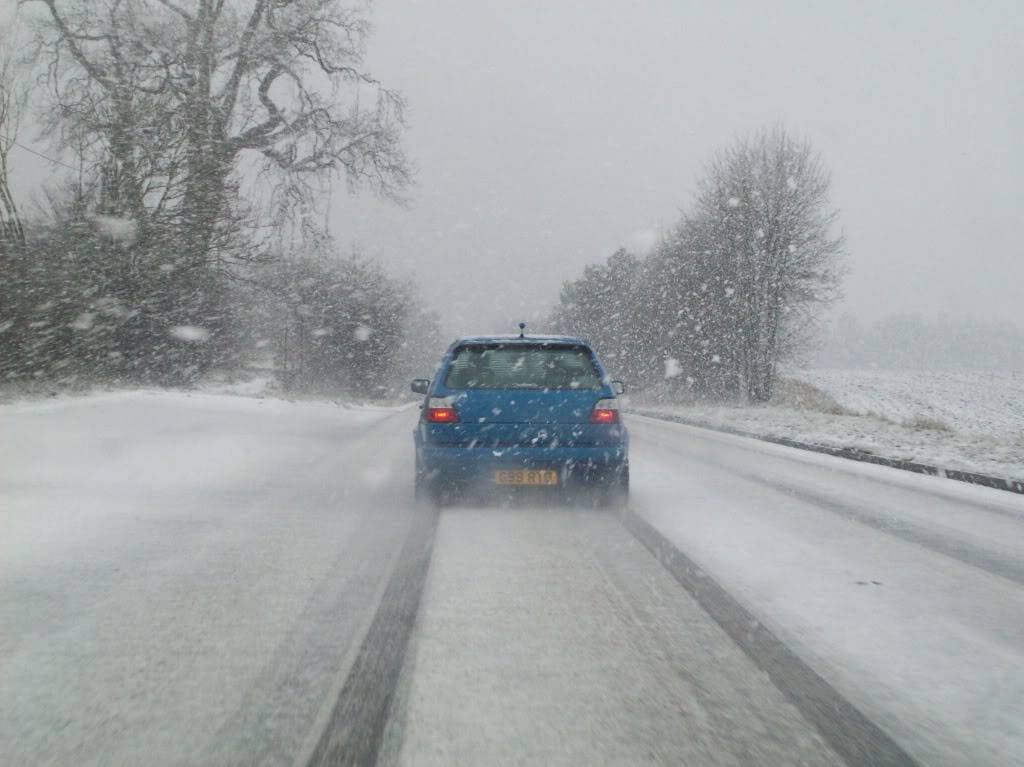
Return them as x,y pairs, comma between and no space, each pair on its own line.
548,133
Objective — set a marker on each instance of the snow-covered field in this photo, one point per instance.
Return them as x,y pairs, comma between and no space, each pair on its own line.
957,420
968,402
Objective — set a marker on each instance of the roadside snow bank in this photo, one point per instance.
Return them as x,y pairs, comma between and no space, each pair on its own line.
159,398
68,463
156,438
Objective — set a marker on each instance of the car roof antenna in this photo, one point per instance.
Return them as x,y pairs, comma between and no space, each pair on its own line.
522,329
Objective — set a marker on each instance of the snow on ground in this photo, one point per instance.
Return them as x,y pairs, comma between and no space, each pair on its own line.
214,400
182,574
105,452
902,590
259,386
969,402
969,420
548,636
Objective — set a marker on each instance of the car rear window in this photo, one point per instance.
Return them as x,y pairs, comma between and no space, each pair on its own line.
522,367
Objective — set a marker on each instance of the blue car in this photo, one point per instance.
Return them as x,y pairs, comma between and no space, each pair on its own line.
511,411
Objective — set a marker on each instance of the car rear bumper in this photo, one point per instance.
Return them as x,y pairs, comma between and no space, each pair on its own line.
575,465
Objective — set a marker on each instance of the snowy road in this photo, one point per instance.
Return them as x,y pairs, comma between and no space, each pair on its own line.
905,592
215,580
183,577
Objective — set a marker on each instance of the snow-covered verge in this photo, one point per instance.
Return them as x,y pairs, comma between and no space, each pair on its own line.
967,421
113,453
164,399
257,386
171,563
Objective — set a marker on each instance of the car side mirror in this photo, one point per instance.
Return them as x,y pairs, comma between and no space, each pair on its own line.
618,387
420,385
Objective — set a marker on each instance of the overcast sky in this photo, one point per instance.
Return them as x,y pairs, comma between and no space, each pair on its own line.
546,134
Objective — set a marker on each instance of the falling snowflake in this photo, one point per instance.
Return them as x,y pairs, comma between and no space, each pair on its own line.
117,228
190,333
84,321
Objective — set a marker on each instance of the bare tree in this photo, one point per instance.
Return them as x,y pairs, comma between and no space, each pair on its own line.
763,232
13,99
598,305
177,92
176,106
729,291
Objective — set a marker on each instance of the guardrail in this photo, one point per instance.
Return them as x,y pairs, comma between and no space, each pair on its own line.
851,453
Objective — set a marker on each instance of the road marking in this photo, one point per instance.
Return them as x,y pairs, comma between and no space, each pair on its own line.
858,740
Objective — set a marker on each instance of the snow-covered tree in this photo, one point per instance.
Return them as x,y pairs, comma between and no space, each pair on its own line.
13,100
335,324
201,126
599,306
763,236
729,290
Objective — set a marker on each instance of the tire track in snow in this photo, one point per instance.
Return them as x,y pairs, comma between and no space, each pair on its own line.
962,551
858,740
356,725
1007,567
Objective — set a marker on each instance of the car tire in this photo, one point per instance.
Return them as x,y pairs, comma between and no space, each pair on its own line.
426,489
615,493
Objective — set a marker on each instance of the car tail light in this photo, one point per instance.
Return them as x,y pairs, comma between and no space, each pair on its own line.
441,410
605,411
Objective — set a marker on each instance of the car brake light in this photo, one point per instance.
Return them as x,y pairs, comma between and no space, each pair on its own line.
441,410
605,411
442,415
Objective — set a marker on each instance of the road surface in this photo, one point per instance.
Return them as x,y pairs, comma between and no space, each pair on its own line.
200,579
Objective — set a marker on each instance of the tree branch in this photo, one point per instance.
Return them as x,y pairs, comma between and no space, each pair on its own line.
177,9
230,95
70,39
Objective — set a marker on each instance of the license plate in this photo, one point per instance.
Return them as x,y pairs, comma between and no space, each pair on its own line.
526,477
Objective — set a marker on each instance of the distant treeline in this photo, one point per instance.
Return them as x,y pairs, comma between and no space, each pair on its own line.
909,341
731,290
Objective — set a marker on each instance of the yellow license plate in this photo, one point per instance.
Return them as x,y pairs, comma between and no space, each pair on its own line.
526,477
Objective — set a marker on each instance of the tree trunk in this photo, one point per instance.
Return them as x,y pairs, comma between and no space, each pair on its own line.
12,234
